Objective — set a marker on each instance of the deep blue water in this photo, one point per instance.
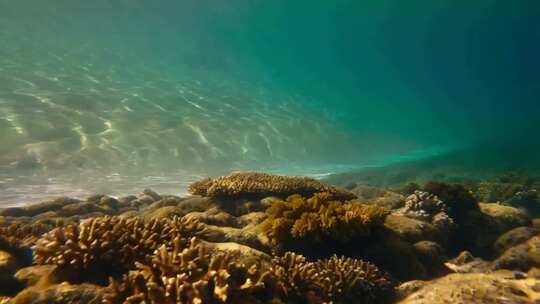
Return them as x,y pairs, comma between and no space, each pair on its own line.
114,96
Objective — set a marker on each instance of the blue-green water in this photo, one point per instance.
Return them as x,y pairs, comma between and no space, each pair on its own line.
114,96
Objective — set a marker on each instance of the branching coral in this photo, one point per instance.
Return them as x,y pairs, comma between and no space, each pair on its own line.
19,237
346,280
335,280
319,219
253,184
190,275
423,205
296,277
112,243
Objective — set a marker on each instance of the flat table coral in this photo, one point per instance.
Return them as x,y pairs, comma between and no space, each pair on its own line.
254,184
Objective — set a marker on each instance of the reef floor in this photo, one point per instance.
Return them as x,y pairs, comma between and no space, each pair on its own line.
259,238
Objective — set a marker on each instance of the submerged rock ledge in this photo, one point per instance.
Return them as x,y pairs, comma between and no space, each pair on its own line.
260,238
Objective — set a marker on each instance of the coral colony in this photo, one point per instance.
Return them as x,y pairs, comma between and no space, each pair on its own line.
260,238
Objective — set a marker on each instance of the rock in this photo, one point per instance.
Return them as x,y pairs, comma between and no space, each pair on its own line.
163,212
151,193
53,205
8,266
166,201
520,257
431,255
241,253
214,217
219,234
412,230
142,202
80,209
465,262
250,220
407,288
125,200
395,256
390,201
196,203
505,217
39,208
514,237
497,287
95,198
367,193
109,203
13,211
29,276
129,213
60,294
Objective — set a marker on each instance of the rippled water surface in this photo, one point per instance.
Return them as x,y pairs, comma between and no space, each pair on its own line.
117,96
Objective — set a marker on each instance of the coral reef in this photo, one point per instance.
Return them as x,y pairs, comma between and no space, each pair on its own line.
18,237
260,238
319,220
332,280
110,244
254,184
346,280
497,287
423,206
459,200
189,275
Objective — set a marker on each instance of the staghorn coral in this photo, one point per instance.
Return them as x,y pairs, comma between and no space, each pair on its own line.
111,244
319,219
259,185
332,280
189,275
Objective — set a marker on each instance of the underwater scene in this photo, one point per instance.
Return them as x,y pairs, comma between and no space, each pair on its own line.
257,151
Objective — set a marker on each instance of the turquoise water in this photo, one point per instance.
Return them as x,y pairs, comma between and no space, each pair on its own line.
115,96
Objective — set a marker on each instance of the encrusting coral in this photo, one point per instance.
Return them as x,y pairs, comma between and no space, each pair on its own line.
318,220
189,275
111,244
259,185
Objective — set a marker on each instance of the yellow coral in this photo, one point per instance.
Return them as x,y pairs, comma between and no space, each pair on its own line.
319,218
189,275
110,241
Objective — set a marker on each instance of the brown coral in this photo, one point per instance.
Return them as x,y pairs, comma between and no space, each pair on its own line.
111,243
459,200
319,219
334,280
17,238
259,185
189,275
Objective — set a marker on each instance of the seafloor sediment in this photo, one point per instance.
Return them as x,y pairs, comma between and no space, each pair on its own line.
260,238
